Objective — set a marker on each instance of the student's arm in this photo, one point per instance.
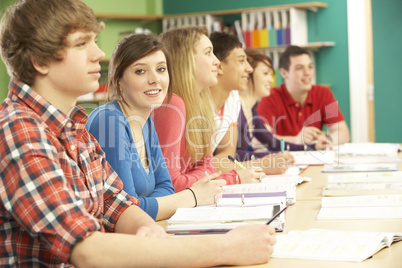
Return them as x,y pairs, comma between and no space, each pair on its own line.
227,147
246,245
170,125
111,129
339,132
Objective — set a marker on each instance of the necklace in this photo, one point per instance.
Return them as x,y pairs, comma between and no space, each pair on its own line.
136,131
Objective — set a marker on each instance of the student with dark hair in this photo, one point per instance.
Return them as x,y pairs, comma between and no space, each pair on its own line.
60,201
298,110
233,76
254,138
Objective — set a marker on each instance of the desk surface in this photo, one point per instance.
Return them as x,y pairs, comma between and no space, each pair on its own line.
303,215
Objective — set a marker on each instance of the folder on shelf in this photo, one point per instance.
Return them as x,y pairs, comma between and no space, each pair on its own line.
245,22
272,30
298,26
278,28
285,27
239,32
264,32
256,24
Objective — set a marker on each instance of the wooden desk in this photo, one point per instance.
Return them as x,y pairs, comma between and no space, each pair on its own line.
303,215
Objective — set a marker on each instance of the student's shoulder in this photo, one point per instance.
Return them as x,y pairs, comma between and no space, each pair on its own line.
110,109
176,104
14,115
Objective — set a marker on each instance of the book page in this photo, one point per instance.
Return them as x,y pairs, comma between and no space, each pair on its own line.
360,167
367,149
366,177
347,189
257,199
362,201
360,213
320,157
321,244
223,214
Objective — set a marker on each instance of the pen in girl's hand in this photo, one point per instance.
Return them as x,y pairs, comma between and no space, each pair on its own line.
276,215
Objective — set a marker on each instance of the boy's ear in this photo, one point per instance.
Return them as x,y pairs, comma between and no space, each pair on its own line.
220,69
284,73
40,68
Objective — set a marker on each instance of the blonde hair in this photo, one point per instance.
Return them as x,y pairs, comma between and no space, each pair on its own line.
200,123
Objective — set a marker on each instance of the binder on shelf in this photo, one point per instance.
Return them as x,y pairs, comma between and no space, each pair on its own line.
272,30
285,27
298,26
245,21
256,27
278,28
264,36
239,32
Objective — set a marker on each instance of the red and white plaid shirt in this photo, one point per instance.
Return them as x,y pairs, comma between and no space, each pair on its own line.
56,187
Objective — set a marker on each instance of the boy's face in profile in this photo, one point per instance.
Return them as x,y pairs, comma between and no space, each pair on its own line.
235,70
78,72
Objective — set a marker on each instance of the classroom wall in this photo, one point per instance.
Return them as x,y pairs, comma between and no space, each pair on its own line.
387,40
328,24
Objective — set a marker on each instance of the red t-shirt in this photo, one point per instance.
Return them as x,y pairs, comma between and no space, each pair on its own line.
287,117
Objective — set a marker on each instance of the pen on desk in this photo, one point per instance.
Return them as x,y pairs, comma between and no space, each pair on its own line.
207,175
215,201
276,215
242,200
236,162
282,145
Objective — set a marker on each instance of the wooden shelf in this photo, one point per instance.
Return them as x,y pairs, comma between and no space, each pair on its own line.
310,5
117,16
309,46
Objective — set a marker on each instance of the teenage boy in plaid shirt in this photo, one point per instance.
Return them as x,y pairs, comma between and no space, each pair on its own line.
61,203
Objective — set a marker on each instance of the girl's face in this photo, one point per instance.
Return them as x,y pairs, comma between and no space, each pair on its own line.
145,82
206,64
263,79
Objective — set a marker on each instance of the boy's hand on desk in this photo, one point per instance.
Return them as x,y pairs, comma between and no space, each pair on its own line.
323,144
252,244
308,134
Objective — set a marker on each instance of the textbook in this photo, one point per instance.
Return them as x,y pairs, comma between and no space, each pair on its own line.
375,183
359,168
332,245
367,149
223,218
361,207
320,157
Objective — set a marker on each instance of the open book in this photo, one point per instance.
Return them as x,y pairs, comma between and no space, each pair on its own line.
223,218
363,184
333,245
367,149
361,207
321,157
360,167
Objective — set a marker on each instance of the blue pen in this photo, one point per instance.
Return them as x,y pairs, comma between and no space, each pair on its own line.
282,145
207,175
236,162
